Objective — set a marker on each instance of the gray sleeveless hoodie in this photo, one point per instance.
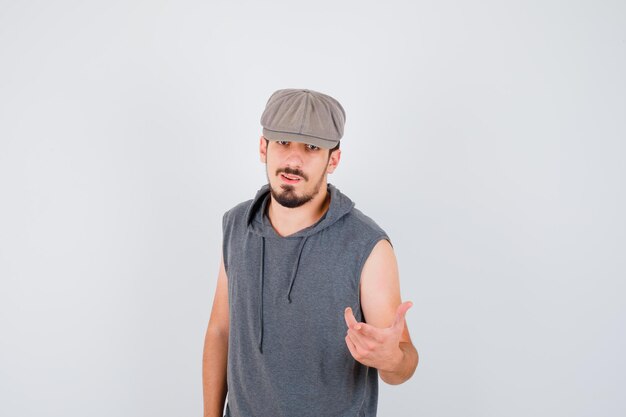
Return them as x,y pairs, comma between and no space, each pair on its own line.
287,355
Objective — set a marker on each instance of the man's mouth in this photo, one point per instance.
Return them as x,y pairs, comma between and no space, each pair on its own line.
290,179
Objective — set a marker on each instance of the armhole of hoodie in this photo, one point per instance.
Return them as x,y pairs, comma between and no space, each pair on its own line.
366,254
224,243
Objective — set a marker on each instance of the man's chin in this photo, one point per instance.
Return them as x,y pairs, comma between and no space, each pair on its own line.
287,197
282,189
290,199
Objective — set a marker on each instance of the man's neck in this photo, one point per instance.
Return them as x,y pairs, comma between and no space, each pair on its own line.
287,221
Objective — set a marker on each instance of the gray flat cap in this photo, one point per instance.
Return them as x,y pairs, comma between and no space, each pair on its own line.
301,115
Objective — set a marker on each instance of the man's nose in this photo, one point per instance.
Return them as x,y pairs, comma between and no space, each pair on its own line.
295,156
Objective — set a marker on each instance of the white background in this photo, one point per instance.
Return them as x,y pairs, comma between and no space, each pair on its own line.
487,138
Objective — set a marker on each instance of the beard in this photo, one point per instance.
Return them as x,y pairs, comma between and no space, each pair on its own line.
286,195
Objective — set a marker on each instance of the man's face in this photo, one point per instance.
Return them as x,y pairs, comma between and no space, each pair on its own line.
296,171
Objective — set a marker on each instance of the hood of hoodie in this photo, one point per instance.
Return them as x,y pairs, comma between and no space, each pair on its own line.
259,224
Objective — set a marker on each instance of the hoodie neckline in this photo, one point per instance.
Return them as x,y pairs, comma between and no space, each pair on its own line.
258,222
267,223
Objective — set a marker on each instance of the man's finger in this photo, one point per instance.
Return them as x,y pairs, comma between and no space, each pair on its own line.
370,331
357,339
401,313
349,316
351,347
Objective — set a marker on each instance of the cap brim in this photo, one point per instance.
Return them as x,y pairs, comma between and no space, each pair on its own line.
297,137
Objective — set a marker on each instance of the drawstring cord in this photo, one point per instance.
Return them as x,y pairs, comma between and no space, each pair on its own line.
295,269
262,277
262,273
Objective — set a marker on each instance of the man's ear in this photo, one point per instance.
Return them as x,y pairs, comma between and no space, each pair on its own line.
263,149
333,161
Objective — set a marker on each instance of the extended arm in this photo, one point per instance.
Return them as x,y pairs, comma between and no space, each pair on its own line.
383,341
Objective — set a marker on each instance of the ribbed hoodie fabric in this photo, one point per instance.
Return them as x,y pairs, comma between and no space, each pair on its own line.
287,355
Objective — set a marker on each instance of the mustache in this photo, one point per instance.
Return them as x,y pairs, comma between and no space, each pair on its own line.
292,172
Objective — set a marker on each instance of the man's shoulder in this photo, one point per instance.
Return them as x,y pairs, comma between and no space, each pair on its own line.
239,208
237,211
363,223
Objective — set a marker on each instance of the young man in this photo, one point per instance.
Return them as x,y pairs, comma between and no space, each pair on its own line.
307,311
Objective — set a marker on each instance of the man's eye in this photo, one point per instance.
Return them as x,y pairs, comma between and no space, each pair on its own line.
282,142
313,147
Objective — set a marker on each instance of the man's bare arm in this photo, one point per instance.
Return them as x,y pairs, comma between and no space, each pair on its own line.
215,355
381,305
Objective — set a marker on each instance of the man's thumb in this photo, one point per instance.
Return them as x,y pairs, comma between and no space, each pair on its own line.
401,313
